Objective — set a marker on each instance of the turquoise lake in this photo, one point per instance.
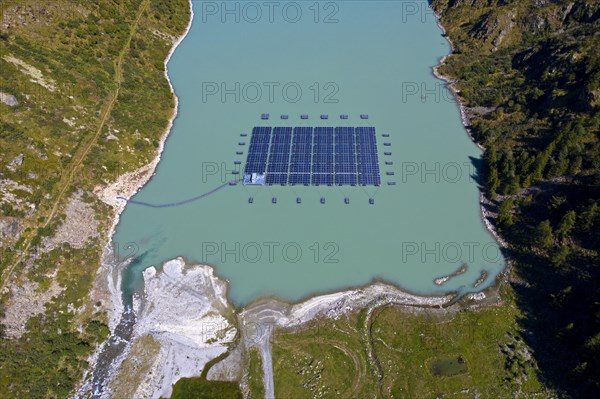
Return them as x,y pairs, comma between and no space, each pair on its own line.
348,57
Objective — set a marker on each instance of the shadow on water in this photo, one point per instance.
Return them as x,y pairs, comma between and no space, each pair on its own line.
479,169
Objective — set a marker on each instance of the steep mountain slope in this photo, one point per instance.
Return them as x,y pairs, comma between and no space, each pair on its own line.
528,73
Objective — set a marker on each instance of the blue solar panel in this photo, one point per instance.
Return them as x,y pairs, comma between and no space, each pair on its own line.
318,179
276,178
278,158
278,168
345,168
369,180
319,156
299,178
345,179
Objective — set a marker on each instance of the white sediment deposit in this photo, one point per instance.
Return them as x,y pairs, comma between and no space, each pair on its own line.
183,314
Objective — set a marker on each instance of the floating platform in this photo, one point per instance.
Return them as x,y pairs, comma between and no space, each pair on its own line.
254,179
303,116
387,144
318,156
385,135
346,200
343,116
237,162
284,116
274,200
391,183
233,183
322,200
324,116
243,135
239,153
251,200
241,143
389,162
387,153
235,172
364,116
298,200
390,173
371,201
264,116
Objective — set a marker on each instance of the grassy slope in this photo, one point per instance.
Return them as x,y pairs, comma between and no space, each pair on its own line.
255,375
97,53
329,359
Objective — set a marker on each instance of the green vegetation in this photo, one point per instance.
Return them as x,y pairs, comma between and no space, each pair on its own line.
529,75
200,388
255,375
93,104
326,359
329,358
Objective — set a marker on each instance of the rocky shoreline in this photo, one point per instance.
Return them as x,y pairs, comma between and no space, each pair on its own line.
108,279
486,215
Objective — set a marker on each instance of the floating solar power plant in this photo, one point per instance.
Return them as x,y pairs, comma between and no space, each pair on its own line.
324,116
385,135
344,116
371,201
298,200
364,116
264,116
251,200
284,116
304,116
313,156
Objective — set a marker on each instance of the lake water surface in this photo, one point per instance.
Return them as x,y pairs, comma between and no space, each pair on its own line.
346,57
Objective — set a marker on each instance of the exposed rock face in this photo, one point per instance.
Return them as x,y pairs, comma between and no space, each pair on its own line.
18,161
80,225
494,27
25,302
8,99
10,229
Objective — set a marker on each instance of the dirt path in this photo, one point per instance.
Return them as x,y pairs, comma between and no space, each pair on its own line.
82,152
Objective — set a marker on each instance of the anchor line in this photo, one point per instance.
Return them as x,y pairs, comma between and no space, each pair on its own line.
187,201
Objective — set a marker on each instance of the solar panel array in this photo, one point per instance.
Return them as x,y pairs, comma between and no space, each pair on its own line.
314,156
